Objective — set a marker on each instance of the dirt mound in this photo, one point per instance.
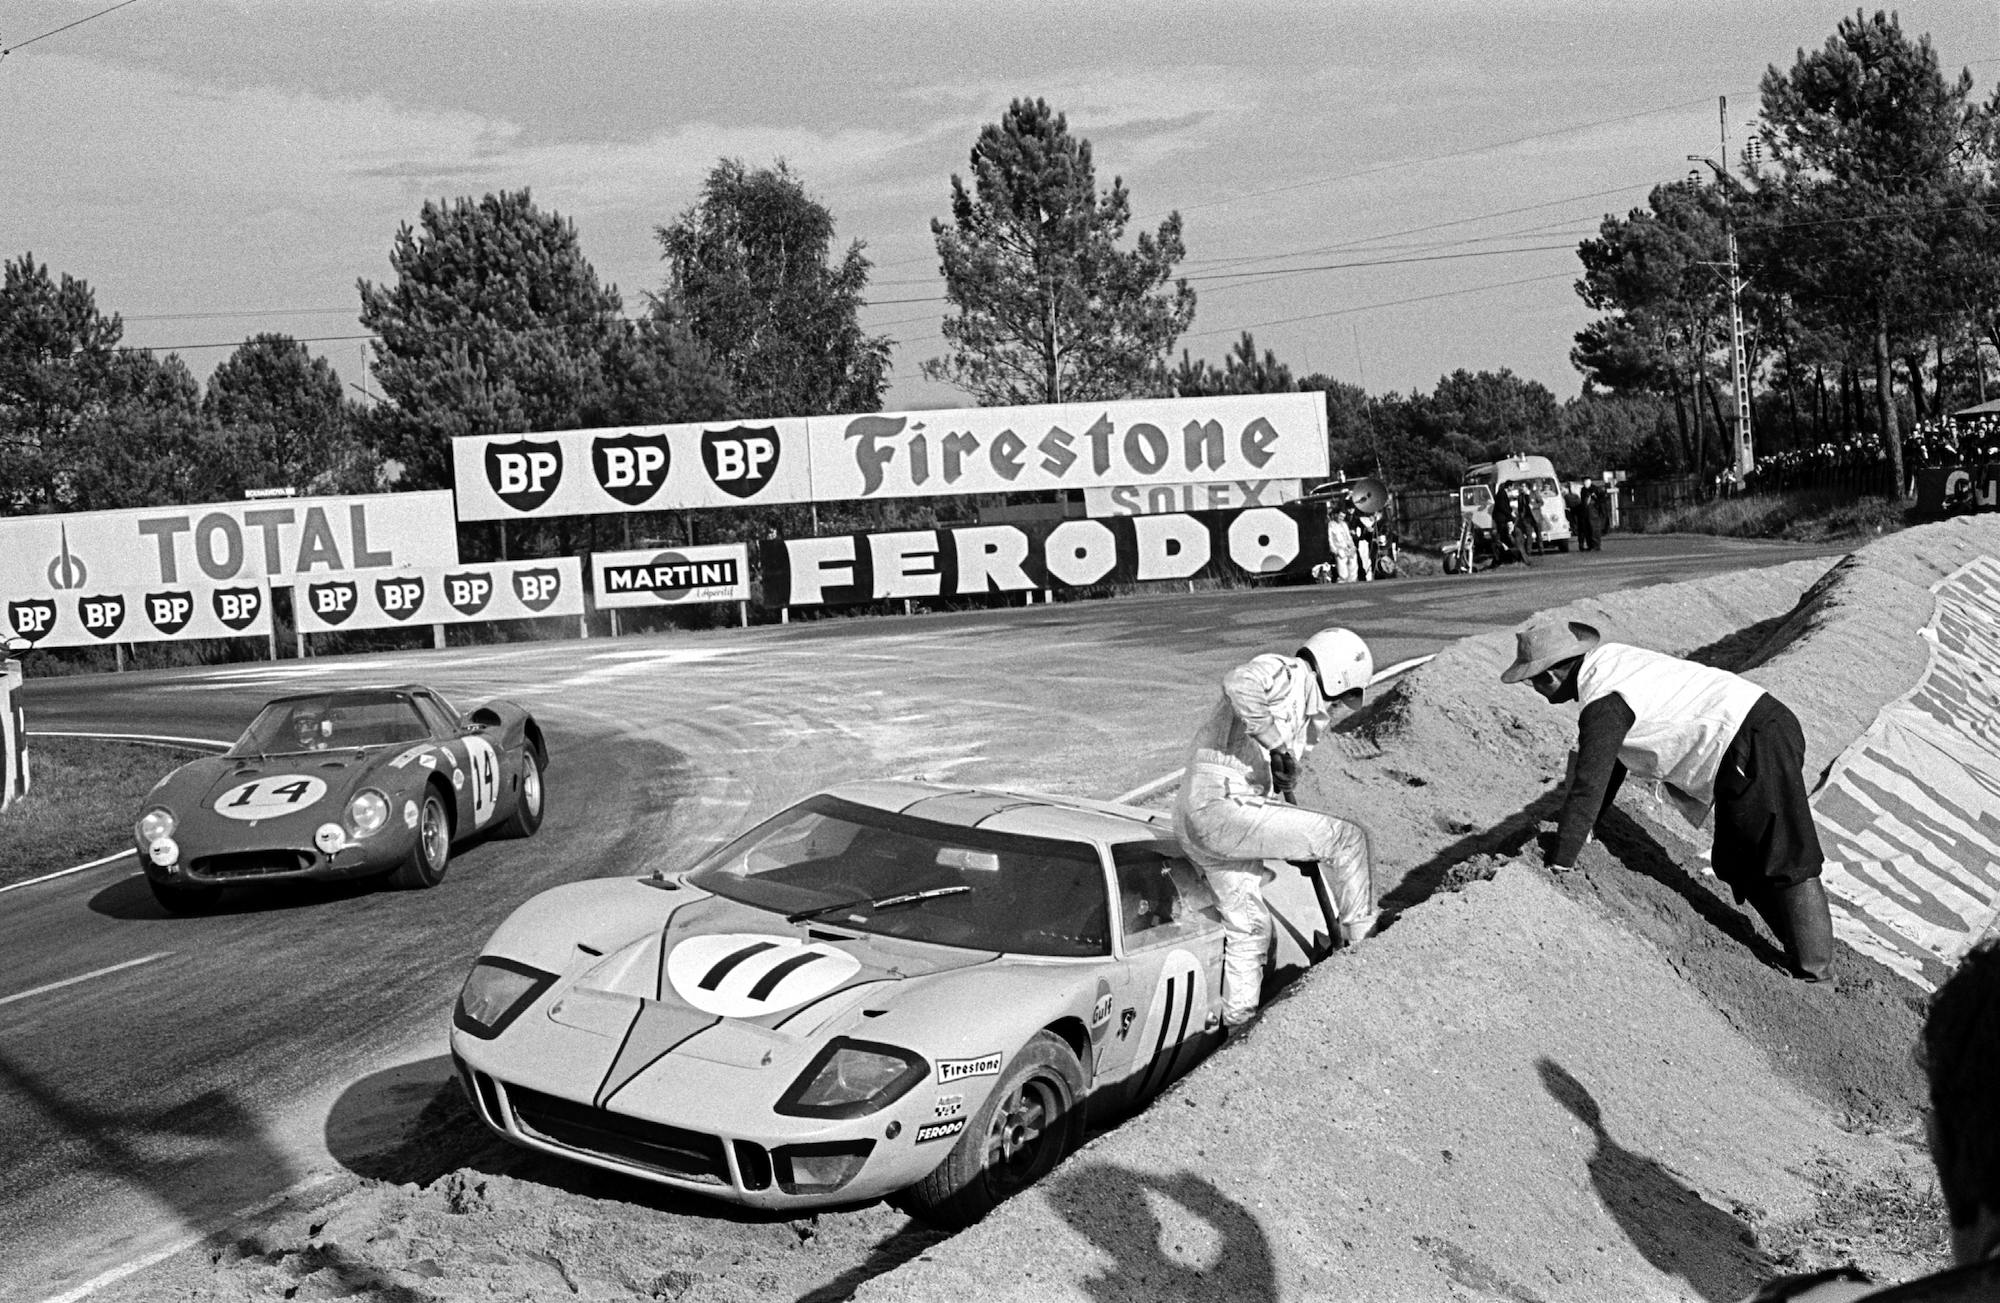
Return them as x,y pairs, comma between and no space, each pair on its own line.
1503,1097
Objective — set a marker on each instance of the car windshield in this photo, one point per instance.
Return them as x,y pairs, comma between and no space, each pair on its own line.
332,721
1028,895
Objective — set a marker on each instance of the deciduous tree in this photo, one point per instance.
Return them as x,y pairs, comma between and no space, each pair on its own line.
752,279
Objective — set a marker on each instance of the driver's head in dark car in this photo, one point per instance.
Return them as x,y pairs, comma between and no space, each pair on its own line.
311,730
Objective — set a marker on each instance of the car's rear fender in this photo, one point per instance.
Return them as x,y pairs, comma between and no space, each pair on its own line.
509,720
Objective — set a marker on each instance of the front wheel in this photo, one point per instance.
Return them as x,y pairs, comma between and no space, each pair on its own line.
426,863
1032,1118
184,900
527,816
1562,545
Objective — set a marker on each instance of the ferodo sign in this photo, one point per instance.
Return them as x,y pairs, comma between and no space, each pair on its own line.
637,468
87,616
670,576
488,590
229,543
1236,438
959,561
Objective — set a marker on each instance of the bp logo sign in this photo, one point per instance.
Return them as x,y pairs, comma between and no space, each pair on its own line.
631,467
741,459
524,473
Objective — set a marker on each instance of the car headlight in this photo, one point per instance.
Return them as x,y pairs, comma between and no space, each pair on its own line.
851,1079
495,993
367,812
156,823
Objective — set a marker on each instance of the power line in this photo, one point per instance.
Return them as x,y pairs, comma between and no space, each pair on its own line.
65,27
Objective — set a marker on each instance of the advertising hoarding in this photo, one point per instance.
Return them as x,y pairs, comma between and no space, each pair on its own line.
630,468
670,576
958,561
85,617
1159,499
1165,441
461,594
220,544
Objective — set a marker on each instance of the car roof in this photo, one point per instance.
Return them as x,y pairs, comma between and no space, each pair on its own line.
1040,814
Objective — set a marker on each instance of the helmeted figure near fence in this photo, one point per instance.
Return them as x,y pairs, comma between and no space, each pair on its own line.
1234,808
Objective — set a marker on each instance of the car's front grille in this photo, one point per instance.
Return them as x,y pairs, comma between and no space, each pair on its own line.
672,1151
251,864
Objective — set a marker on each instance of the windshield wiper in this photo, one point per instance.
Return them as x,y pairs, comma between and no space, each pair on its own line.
878,902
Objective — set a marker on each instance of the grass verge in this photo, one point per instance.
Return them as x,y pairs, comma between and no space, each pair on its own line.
1806,516
82,804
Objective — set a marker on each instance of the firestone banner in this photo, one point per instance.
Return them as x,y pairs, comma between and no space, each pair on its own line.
1260,542
85,617
1236,438
464,594
220,544
630,468
670,576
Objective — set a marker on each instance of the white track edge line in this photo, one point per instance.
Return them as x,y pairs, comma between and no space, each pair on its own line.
64,873
85,977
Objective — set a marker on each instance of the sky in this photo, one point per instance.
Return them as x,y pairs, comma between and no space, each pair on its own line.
1383,191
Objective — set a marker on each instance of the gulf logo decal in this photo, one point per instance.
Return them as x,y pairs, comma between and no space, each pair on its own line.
747,975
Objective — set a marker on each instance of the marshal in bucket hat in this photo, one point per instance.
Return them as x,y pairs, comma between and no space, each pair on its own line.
1545,643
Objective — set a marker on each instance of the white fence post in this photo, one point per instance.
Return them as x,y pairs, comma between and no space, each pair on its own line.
13,737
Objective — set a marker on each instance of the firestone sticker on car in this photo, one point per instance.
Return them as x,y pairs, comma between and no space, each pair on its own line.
748,975
270,797
950,1070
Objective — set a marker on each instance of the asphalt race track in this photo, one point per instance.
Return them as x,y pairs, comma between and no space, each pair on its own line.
149,1101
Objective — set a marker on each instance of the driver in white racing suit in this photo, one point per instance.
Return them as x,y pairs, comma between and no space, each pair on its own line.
1234,810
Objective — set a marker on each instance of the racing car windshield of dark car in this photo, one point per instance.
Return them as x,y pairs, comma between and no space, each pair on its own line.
332,721
873,871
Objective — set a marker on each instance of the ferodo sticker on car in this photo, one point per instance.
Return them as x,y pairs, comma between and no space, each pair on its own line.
270,797
950,1070
747,975
485,766
930,1131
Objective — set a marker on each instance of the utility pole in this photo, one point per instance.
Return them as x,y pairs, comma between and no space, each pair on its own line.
1739,362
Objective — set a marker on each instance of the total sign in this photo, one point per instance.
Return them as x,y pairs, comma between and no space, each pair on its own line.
90,615
221,544
639,468
489,590
670,577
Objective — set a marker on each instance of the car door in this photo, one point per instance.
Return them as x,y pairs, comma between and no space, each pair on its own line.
476,769
1169,989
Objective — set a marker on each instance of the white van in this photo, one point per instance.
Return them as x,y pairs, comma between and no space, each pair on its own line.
1537,475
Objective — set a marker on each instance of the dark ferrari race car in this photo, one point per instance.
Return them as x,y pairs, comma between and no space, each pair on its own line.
346,784
891,988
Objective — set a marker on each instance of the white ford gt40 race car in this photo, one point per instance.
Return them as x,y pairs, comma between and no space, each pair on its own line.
890,988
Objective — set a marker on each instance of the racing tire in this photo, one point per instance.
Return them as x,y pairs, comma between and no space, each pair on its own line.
1452,563
527,816
1031,1120
184,900
427,860
1562,545
1385,566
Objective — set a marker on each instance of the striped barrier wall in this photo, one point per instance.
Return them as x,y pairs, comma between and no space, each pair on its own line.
1910,813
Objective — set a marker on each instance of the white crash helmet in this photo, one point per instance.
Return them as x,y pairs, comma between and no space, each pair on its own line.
1341,660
